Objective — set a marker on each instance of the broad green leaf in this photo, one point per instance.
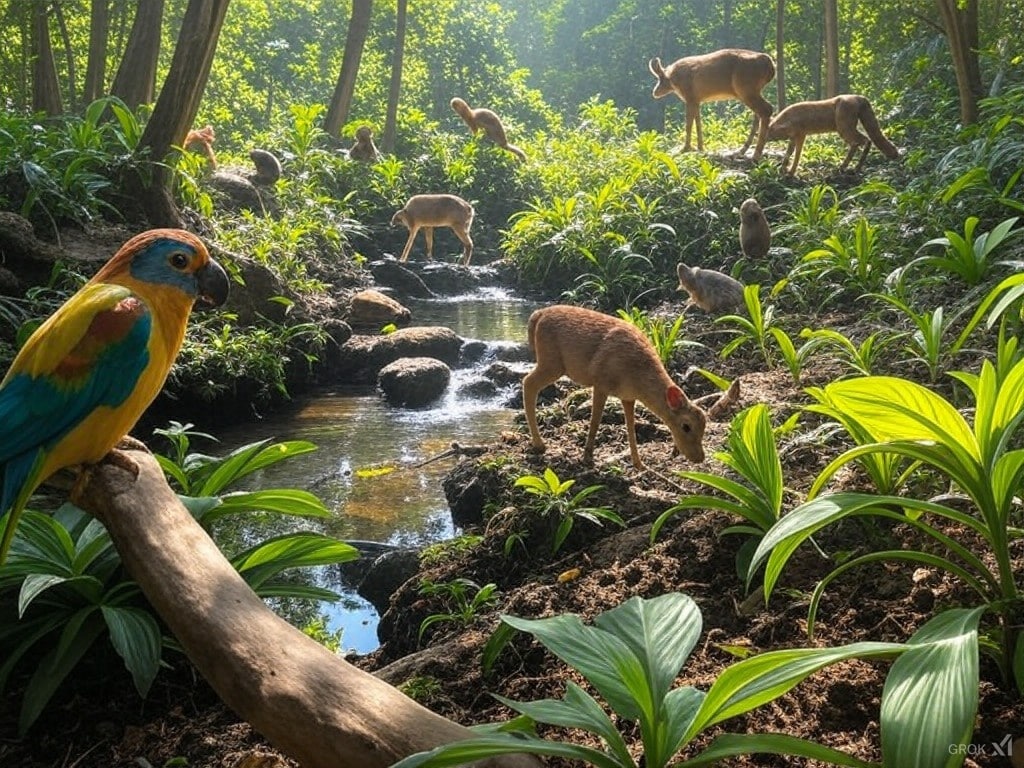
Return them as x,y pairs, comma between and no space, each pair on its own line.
734,744
681,706
605,660
897,409
462,753
136,637
294,550
284,501
930,696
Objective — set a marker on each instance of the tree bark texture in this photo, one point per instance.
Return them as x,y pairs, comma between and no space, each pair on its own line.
831,48
96,65
135,81
780,54
310,703
961,27
391,120
45,87
355,40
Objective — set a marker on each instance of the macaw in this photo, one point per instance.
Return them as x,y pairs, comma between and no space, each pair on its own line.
86,375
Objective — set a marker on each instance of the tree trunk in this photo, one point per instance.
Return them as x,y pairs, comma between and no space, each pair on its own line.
391,121
178,103
135,81
961,27
45,88
831,48
780,57
341,101
314,706
69,54
96,67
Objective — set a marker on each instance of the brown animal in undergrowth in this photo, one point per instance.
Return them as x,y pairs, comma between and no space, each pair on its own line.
203,138
428,211
730,73
839,114
364,149
489,122
755,234
268,167
615,358
712,291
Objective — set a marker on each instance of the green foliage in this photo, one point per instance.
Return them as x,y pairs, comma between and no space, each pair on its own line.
465,607
898,418
969,257
443,551
633,653
758,327
666,336
554,500
862,359
753,455
844,265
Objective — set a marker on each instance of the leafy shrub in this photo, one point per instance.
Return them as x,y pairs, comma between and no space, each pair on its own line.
553,500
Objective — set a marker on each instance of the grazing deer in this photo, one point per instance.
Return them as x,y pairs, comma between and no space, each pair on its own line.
428,211
712,291
364,149
839,114
490,122
615,358
731,73
755,234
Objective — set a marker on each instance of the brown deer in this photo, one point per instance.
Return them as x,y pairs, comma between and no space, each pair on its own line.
730,73
428,211
489,122
615,358
840,114
712,291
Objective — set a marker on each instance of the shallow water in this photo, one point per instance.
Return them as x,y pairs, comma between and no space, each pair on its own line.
355,429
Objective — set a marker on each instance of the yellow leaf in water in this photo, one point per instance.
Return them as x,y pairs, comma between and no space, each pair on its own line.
374,471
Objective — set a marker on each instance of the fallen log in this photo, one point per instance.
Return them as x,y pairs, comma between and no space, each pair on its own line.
311,704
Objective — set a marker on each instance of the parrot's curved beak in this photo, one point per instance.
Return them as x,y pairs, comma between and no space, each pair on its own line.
212,282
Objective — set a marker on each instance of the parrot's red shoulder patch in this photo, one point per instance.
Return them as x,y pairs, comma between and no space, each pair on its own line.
106,329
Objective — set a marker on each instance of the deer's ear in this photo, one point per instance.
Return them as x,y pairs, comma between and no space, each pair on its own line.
675,398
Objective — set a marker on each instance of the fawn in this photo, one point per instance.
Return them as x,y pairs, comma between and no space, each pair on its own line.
615,358
839,114
730,73
428,211
709,289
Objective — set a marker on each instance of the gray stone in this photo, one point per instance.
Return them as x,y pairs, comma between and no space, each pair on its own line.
392,274
362,357
414,382
388,572
372,310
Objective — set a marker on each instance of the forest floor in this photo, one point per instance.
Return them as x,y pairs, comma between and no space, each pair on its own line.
101,723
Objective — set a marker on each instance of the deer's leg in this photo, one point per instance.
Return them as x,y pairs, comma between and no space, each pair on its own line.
750,136
700,127
628,410
691,113
467,243
408,243
784,165
763,116
863,157
533,383
597,410
428,234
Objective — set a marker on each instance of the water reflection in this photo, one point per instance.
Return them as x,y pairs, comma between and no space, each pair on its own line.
355,429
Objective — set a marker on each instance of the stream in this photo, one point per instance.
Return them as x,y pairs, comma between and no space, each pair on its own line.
354,428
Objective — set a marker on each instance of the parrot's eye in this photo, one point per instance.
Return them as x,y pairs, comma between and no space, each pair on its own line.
179,260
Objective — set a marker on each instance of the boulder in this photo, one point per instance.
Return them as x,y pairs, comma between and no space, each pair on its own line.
392,274
413,382
448,279
362,357
372,310
386,574
254,299
29,259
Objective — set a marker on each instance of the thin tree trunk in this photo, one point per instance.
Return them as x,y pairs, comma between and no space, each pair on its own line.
96,67
309,702
780,57
135,81
341,101
391,121
961,27
45,87
69,54
831,48
178,103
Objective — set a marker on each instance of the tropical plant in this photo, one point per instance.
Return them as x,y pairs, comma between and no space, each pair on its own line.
466,598
969,531
967,256
751,453
756,327
859,264
665,335
553,500
633,653
862,359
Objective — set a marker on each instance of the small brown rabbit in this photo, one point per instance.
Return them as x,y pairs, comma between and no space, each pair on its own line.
755,234
712,291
